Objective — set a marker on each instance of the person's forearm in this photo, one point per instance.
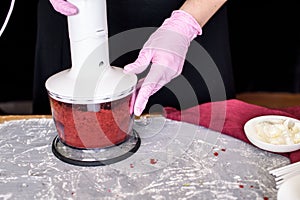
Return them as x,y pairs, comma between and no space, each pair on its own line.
202,10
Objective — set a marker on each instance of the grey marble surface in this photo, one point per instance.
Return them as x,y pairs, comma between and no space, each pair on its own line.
176,160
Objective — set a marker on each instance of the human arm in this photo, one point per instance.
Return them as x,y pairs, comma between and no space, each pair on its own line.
165,50
202,10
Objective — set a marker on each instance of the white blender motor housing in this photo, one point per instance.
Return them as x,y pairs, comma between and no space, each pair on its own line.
91,79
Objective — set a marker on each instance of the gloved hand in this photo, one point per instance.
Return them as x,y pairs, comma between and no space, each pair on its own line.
165,53
64,7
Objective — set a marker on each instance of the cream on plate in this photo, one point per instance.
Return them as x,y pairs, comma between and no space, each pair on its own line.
278,131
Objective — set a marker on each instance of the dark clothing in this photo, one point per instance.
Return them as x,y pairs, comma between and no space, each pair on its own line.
199,82
52,53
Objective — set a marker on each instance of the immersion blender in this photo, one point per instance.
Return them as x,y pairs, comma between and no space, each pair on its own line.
91,102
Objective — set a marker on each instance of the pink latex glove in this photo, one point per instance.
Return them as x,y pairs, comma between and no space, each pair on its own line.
64,7
165,52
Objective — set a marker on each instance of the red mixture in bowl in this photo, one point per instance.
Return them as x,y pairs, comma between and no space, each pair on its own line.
94,125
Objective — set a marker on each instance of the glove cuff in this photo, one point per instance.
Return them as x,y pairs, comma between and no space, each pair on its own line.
184,23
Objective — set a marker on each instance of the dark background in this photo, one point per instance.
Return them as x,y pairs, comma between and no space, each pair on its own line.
17,46
265,43
264,37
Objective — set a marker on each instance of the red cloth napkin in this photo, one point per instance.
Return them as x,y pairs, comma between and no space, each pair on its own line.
229,117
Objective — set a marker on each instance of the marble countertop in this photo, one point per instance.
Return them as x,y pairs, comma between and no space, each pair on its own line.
176,160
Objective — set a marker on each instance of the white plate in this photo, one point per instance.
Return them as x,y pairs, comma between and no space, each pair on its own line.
289,190
253,137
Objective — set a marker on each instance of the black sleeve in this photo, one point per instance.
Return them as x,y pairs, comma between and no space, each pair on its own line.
52,53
